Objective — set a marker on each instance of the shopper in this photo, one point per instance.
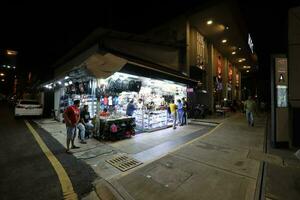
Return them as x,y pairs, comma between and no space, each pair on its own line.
104,113
173,109
185,109
72,117
249,107
84,125
130,108
180,112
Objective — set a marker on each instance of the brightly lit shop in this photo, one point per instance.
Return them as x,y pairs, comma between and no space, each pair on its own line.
150,98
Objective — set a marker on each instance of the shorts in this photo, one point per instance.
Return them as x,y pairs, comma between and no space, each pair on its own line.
71,131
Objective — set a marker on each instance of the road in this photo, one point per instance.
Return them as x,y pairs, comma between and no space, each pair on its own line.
26,172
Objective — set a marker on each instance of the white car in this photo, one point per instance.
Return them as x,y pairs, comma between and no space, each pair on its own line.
28,108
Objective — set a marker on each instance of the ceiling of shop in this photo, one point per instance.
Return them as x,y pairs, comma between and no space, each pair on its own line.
225,15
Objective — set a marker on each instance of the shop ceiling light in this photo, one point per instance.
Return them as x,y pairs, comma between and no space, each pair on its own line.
240,48
14,67
2,80
242,59
59,82
8,66
1,74
66,84
66,77
70,82
233,53
227,27
209,22
247,67
224,41
247,71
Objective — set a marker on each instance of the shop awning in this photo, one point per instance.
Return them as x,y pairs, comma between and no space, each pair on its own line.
103,66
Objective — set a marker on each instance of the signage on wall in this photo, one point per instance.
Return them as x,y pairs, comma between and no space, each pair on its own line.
281,71
189,90
250,43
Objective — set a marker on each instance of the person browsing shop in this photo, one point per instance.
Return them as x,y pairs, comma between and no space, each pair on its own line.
185,109
180,112
71,118
84,125
173,109
104,113
130,108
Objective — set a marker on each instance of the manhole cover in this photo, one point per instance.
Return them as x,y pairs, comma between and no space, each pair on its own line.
124,162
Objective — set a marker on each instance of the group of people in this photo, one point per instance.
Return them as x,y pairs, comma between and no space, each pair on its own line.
178,111
76,119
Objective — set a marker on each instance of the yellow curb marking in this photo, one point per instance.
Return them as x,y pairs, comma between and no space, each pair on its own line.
65,182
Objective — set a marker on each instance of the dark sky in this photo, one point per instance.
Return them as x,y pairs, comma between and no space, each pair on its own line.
43,32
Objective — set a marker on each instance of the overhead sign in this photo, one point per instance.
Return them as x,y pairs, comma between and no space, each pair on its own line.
250,43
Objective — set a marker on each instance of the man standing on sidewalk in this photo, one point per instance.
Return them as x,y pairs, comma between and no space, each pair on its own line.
250,108
72,117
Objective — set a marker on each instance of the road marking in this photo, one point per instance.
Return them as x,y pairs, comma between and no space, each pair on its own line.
65,182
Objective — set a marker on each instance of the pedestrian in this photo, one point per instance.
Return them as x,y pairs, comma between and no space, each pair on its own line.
173,109
180,112
249,107
185,109
130,108
84,124
72,117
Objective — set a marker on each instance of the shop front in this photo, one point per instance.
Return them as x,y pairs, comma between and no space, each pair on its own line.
147,97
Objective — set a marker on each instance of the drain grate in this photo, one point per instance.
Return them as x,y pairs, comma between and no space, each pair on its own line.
124,162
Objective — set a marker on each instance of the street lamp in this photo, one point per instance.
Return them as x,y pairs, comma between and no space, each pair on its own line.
11,52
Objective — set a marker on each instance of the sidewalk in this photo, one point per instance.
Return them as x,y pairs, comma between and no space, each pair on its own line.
194,162
223,164
282,180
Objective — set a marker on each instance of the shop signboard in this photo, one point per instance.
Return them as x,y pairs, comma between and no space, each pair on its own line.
189,90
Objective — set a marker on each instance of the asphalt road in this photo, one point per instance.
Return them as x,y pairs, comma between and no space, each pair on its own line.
25,171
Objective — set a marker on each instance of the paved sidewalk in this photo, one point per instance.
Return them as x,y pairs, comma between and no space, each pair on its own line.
224,164
282,180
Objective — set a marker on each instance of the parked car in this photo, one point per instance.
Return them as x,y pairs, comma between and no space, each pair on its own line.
26,107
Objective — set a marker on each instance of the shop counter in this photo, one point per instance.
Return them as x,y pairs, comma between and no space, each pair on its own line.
147,120
110,128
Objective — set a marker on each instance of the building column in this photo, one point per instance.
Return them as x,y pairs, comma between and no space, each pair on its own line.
210,76
188,43
225,78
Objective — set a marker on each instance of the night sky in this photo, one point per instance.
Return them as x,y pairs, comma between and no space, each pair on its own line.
43,32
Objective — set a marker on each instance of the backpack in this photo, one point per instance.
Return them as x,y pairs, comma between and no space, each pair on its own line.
113,128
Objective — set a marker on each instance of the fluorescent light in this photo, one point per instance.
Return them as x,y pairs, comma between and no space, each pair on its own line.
8,66
67,77
233,53
66,84
224,41
209,22
246,67
242,59
59,82
70,82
